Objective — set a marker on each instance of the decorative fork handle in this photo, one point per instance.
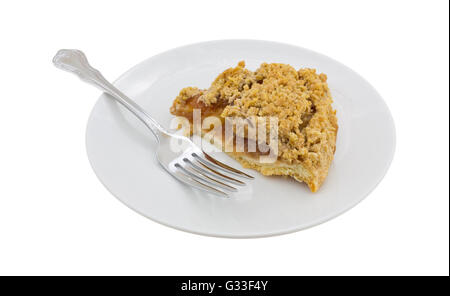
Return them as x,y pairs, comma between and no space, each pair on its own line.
75,61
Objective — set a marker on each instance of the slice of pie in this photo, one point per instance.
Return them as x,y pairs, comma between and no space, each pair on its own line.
300,100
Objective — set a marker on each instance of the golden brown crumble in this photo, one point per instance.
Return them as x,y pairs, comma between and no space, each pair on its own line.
307,123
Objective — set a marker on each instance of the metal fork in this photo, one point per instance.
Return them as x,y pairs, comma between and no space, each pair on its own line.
190,164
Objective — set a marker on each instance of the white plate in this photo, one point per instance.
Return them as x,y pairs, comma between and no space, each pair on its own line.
121,150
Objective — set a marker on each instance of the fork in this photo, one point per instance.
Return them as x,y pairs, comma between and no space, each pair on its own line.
190,164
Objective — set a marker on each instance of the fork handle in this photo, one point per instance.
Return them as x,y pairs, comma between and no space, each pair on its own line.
75,61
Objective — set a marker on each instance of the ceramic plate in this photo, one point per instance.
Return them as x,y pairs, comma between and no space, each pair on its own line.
122,151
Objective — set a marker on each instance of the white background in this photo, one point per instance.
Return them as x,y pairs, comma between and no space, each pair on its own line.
57,219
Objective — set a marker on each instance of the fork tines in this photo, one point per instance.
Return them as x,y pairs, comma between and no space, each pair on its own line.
203,171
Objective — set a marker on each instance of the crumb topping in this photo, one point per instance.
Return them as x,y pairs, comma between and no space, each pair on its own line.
307,123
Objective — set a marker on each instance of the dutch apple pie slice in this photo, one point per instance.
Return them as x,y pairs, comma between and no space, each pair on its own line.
301,102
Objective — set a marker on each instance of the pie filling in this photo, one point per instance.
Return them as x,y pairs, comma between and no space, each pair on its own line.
301,102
